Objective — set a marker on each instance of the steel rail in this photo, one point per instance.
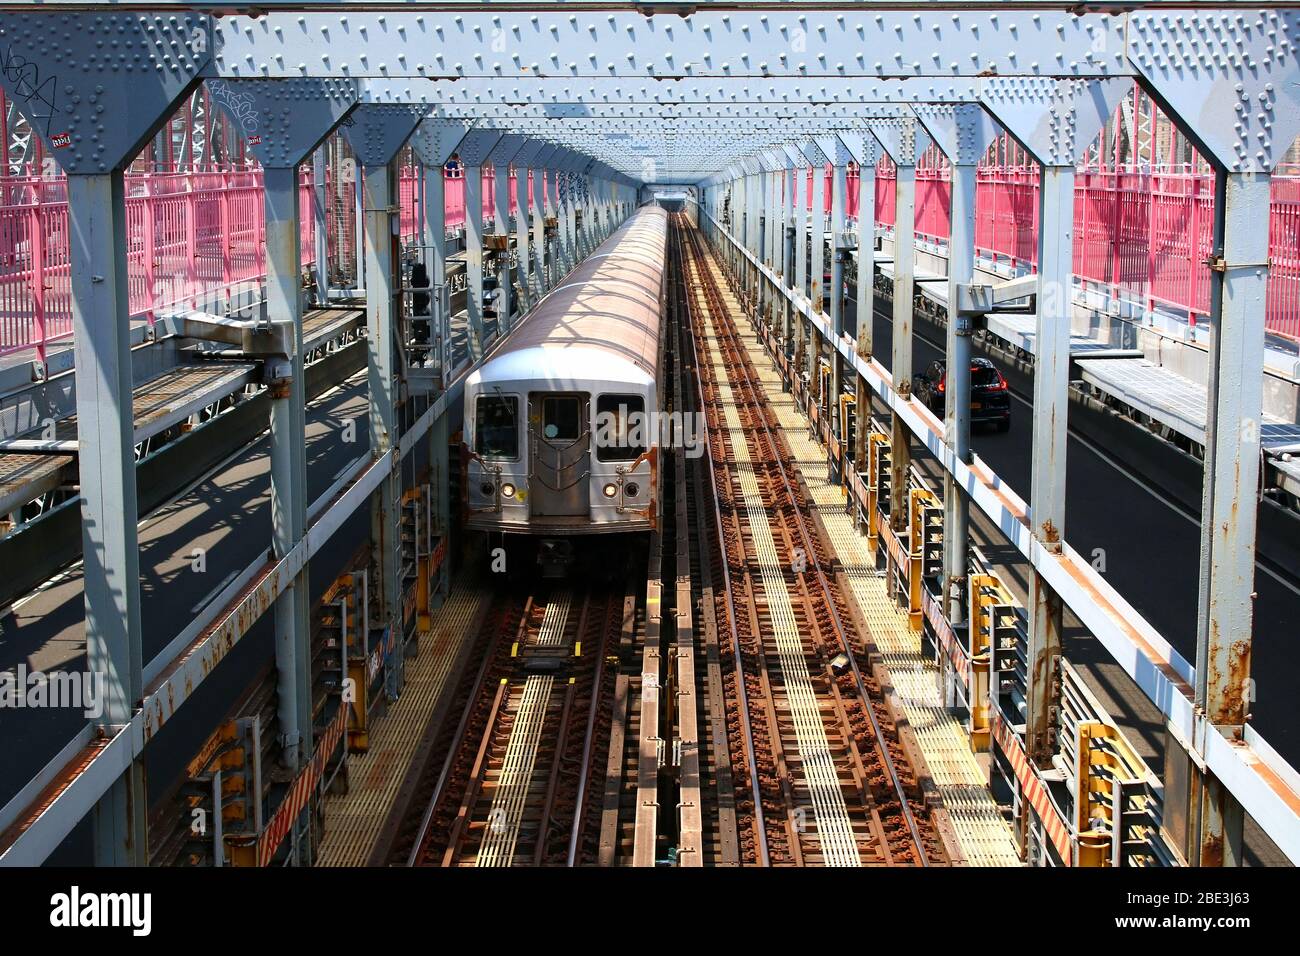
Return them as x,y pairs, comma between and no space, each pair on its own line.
759,824
588,743
745,366
457,741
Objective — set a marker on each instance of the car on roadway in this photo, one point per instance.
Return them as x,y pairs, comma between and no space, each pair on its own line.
990,398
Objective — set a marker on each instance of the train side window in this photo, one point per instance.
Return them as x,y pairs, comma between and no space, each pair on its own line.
496,426
620,427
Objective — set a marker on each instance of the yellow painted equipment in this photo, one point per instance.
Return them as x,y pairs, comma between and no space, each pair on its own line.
992,611
924,545
824,372
879,461
848,424
1117,805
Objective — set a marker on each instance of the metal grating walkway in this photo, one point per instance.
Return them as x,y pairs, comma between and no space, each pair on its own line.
985,837
834,829
353,820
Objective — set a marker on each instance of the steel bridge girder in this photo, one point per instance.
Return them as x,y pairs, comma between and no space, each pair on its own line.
377,131
96,88
284,121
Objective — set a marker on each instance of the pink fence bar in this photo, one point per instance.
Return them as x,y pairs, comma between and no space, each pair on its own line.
1142,235
196,239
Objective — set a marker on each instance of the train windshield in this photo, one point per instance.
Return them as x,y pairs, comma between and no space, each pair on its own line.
496,426
620,427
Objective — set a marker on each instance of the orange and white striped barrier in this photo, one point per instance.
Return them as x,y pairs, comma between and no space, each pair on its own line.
273,835
1033,790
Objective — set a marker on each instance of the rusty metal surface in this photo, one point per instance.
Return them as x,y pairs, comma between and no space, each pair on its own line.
513,786
776,561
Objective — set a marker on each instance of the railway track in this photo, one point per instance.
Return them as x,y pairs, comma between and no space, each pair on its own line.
817,775
520,780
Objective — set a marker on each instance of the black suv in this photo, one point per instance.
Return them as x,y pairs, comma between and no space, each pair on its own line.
990,399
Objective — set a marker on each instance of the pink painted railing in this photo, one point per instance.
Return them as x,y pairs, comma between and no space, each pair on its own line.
192,238
1140,234
455,190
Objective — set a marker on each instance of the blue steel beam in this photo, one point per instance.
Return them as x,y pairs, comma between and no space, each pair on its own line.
792,42
284,121
377,133
434,143
1235,73
73,87
904,141
1055,120
963,134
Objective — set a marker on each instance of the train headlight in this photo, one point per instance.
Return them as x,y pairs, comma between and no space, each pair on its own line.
611,490
632,489
507,490
487,488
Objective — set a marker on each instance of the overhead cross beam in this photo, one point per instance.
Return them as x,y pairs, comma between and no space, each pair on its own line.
566,43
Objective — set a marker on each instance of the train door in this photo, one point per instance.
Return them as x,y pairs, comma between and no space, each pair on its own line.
559,444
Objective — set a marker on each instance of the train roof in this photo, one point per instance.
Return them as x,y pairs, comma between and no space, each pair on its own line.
605,314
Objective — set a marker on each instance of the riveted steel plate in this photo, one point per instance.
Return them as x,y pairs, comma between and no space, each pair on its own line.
435,139
95,86
283,121
707,43
963,132
1055,120
1233,76
376,131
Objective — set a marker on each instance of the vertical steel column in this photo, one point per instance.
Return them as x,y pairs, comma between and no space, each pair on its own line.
751,235
522,259
1225,623
474,260
904,279
865,304
801,270
381,340
358,226
839,189
817,236
435,241
766,215
581,217
540,283
742,230
789,234
1051,411
288,465
505,289
602,207
570,197
800,233
101,337
320,207
956,507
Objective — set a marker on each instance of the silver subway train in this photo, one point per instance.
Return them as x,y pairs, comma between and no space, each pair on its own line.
561,423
